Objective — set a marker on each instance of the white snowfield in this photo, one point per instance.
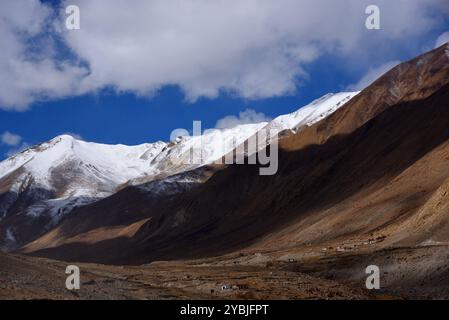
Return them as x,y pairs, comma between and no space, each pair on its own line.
78,171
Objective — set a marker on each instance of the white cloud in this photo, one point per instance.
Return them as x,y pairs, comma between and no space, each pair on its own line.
442,39
10,139
372,75
252,49
245,117
28,70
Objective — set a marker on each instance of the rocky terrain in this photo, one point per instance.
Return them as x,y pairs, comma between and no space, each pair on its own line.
33,278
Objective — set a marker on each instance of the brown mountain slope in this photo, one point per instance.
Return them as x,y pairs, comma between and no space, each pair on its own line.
369,174
412,80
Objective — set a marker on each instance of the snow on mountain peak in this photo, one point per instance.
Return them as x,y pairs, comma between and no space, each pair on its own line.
90,164
313,112
66,172
66,137
120,163
74,169
94,166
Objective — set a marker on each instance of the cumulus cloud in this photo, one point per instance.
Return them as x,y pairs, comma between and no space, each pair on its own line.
372,75
442,39
244,117
14,141
251,49
28,69
10,139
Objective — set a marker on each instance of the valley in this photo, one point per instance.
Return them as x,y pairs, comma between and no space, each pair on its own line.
362,180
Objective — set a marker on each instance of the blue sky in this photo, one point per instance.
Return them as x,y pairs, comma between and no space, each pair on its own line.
130,106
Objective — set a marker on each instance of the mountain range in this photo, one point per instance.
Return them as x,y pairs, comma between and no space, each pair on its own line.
362,179
43,184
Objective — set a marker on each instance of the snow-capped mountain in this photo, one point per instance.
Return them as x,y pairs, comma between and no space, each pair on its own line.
217,143
311,113
187,153
49,180
71,167
54,177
